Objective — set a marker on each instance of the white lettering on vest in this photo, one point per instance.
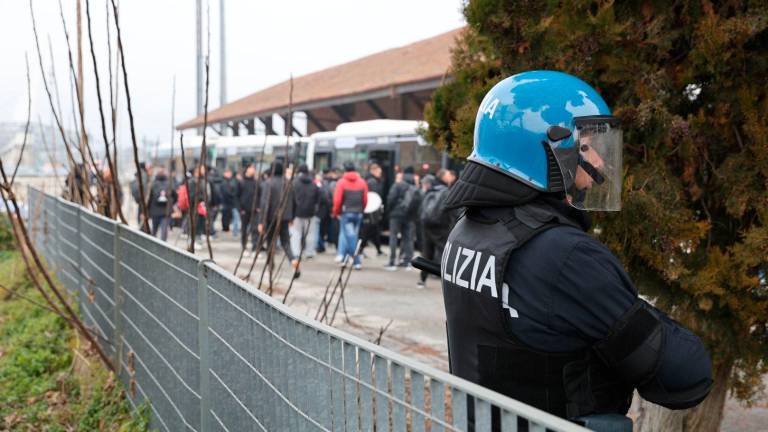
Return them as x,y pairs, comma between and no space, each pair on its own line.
455,263
472,279
505,301
468,254
488,277
444,263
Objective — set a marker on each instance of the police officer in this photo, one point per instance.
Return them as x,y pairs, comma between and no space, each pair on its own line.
538,309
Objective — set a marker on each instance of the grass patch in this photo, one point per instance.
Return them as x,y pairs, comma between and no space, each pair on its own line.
48,380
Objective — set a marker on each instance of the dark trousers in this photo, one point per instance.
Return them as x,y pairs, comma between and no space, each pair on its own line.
246,228
370,231
226,218
285,239
432,244
160,223
404,228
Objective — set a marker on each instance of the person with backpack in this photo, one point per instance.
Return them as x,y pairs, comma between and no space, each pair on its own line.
435,220
274,220
306,197
349,201
161,199
371,229
402,201
248,198
228,194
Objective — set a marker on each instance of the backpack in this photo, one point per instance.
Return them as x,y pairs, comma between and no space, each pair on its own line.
183,202
409,204
432,213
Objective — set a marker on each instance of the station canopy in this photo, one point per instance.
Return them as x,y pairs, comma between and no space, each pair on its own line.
392,84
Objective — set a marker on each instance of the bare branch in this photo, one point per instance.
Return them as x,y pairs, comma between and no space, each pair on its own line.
36,258
203,148
191,211
112,166
121,50
84,193
26,126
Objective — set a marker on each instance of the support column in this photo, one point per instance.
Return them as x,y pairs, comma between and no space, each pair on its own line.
118,298
203,346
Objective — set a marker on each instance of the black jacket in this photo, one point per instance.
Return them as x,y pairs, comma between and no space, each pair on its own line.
135,193
374,184
194,191
247,193
306,196
162,196
395,197
567,290
271,196
228,191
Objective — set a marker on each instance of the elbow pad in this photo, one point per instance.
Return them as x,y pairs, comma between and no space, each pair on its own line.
655,391
633,349
633,345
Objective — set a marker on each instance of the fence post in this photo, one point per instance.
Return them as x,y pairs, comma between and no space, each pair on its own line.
202,344
117,292
82,284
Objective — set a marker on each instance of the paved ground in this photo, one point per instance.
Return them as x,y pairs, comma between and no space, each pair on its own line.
375,297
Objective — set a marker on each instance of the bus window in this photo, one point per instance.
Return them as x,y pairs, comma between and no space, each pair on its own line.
322,161
430,160
408,156
359,156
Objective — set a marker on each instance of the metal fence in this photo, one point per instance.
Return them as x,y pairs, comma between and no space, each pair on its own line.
210,353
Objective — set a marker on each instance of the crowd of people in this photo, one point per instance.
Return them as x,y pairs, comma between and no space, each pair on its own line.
305,213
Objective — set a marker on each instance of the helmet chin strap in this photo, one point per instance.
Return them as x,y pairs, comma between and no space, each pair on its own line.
577,197
592,171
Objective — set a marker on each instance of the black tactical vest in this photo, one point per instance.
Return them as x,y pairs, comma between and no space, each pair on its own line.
481,346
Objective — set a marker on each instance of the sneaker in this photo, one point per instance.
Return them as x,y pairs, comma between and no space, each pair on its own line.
338,259
421,285
390,267
404,264
357,266
247,254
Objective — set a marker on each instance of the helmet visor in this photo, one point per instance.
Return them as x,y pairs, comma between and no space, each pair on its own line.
597,179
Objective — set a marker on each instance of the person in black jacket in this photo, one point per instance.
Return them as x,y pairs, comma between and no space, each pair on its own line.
371,229
306,197
162,197
327,229
248,198
205,198
134,185
228,193
537,308
274,220
435,221
400,198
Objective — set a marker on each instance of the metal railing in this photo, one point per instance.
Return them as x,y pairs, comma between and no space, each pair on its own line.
210,353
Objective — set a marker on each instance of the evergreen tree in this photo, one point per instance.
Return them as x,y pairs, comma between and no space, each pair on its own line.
689,80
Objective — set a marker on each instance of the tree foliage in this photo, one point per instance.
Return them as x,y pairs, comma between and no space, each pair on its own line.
689,80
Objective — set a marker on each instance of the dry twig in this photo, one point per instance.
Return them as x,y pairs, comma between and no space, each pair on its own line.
139,178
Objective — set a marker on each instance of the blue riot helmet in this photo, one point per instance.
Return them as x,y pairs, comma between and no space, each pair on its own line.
554,133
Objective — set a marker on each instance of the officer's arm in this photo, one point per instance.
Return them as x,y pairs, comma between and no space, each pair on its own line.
668,364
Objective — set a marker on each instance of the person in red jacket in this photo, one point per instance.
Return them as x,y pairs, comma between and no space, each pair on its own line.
349,201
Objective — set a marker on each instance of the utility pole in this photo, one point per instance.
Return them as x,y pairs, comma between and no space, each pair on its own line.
199,58
83,135
223,49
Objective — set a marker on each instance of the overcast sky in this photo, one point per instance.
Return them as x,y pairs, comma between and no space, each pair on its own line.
267,40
